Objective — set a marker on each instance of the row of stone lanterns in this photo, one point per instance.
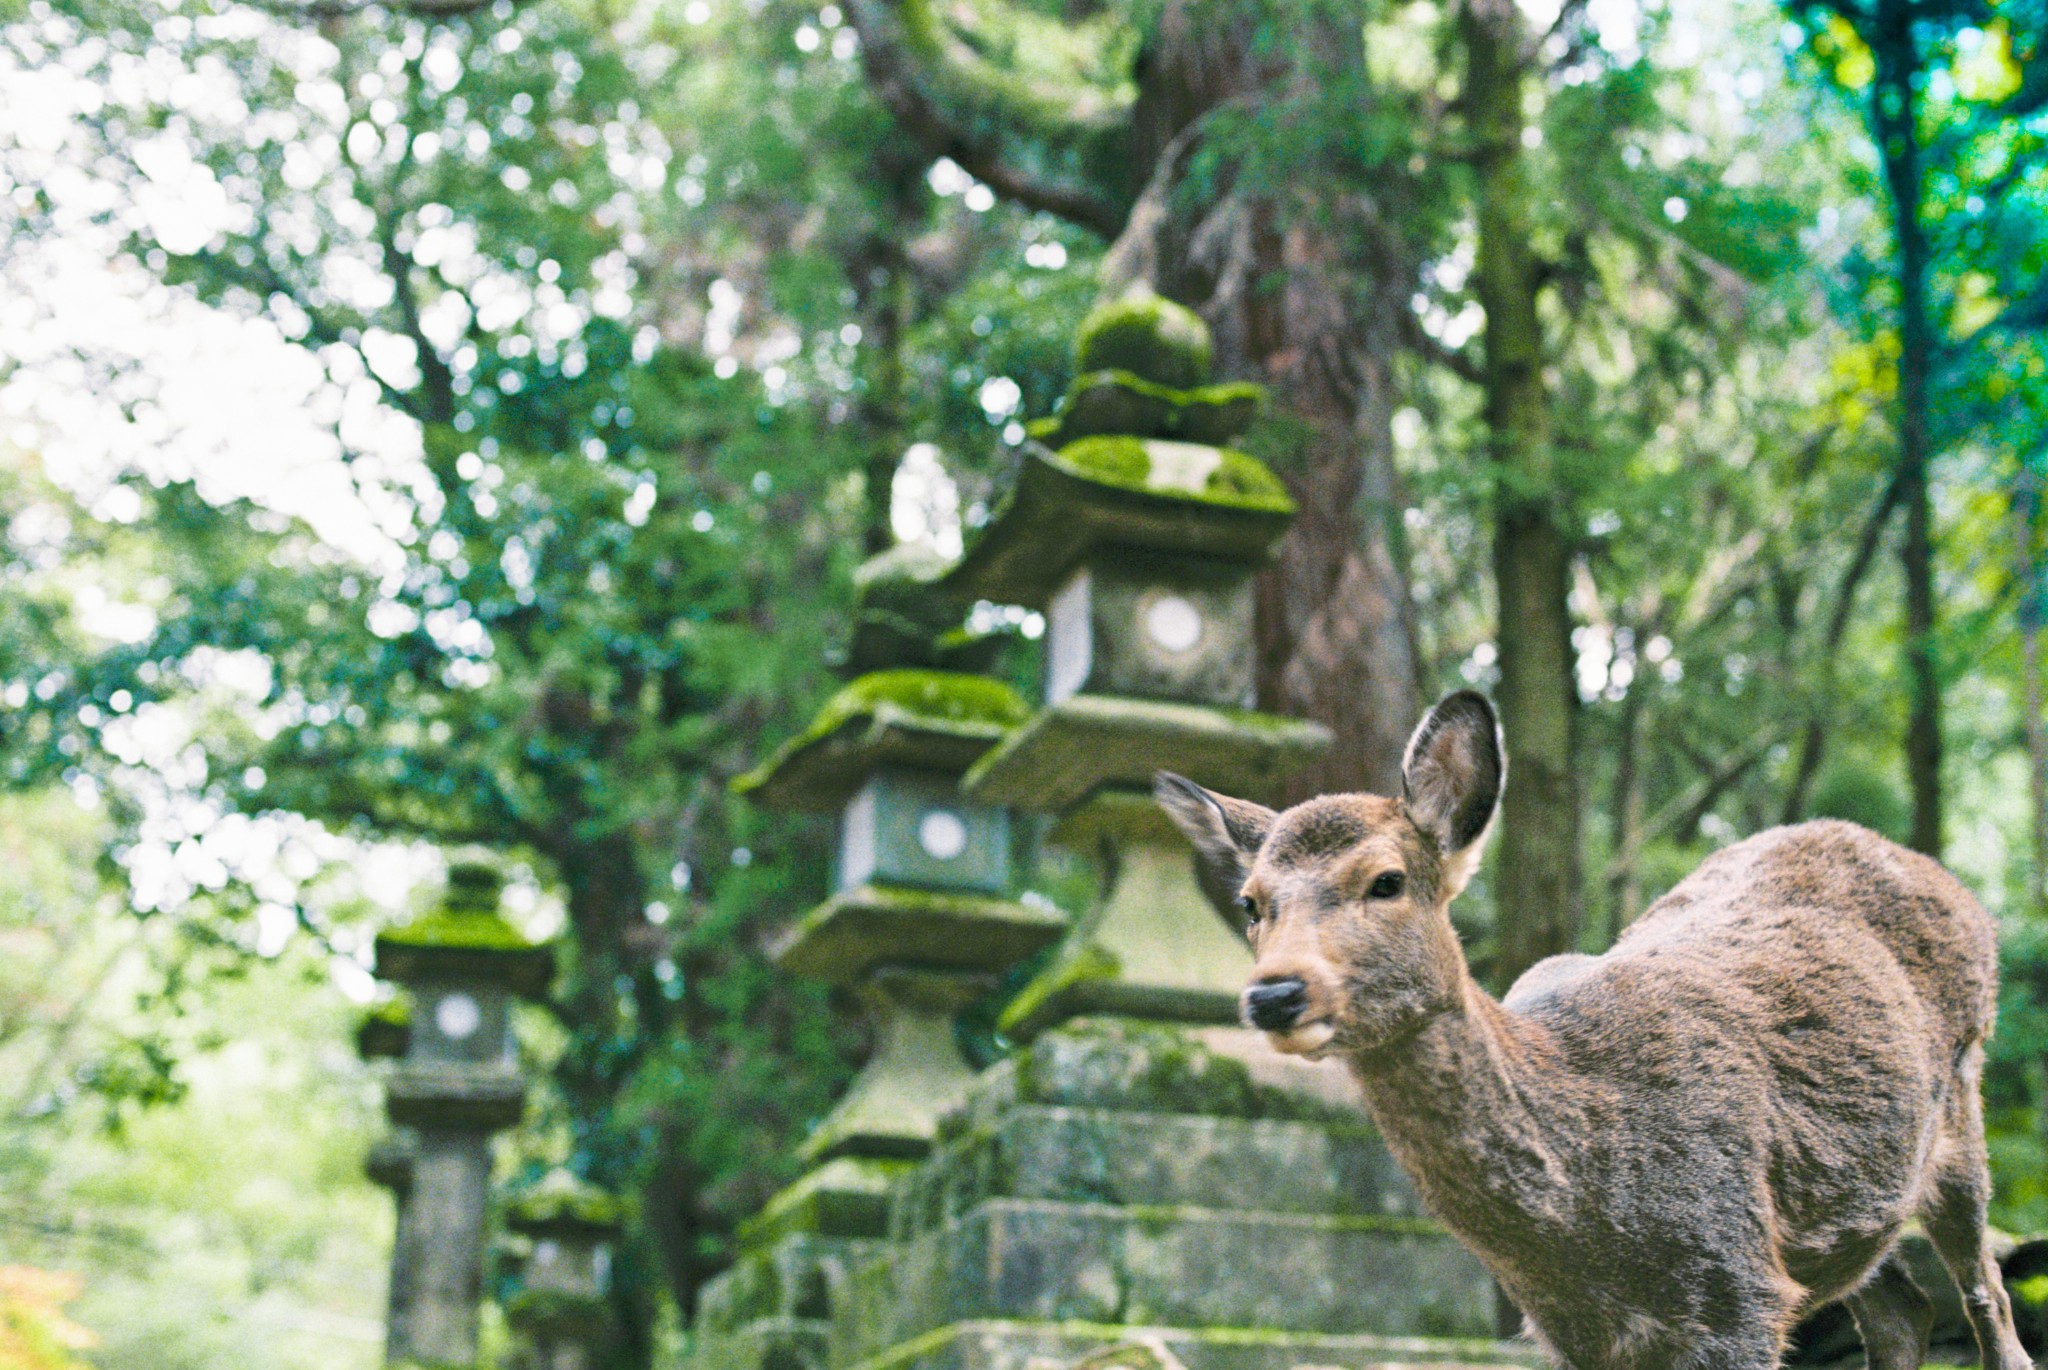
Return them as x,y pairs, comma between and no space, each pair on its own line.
454,1082
1094,1177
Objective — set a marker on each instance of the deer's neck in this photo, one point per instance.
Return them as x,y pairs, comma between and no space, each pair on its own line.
1465,1109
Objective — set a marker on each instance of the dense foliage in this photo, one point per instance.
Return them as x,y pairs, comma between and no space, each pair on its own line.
431,427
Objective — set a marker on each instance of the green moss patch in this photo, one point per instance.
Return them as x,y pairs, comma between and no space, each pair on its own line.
565,1199
457,928
555,1311
930,700
1149,336
1236,479
1123,403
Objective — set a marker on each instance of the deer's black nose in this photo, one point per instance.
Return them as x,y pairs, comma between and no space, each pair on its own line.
1273,1005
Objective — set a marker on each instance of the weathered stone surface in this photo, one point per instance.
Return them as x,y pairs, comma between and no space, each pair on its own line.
845,1197
1181,1267
1146,1067
437,1264
1072,748
999,1344
1105,403
914,828
916,1073
846,937
921,720
1150,946
1155,1160
1152,627
444,1097
801,1276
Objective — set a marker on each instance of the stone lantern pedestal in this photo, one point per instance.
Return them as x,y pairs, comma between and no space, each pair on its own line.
458,1082
561,1314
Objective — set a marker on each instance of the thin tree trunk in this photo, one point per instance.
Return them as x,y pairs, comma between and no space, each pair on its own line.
1813,737
1625,882
1539,891
1898,139
2033,616
882,287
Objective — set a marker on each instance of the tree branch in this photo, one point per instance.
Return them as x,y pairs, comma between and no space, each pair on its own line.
1067,158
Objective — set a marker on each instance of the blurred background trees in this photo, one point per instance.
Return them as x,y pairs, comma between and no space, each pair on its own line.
437,426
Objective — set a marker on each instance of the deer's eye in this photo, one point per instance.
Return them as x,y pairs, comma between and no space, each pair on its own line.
1250,908
1386,885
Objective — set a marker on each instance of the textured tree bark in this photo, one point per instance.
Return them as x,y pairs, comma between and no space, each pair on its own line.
2033,617
1898,139
1538,900
1291,306
1318,322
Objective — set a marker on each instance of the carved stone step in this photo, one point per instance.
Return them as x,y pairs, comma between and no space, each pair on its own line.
1115,1157
1179,1266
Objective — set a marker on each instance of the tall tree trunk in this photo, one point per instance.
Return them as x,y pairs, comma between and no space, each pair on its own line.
1320,326
2033,617
1538,890
1898,139
881,275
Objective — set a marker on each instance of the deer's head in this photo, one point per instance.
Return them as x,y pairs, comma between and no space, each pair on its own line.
1345,898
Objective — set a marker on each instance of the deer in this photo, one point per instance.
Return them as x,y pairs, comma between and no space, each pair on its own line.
1668,1153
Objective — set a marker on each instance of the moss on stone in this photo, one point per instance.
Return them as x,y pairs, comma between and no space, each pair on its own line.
929,699
1238,480
446,927
1078,965
1121,402
565,1199
385,1029
555,1310
2032,1291
1147,335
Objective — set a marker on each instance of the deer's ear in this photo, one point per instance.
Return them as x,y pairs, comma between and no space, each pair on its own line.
1451,780
1227,833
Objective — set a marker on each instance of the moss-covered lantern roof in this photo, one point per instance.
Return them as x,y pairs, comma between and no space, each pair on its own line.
901,619
845,938
1087,742
1149,494
932,720
564,1202
465,937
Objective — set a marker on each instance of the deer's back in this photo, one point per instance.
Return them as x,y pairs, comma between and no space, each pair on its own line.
1789,1019
1770,912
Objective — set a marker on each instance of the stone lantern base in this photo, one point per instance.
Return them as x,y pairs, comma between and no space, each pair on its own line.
1119,1178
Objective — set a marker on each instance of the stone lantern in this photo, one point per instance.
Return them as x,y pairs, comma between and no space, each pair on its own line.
1139,536
918,924
560,1312
458,1082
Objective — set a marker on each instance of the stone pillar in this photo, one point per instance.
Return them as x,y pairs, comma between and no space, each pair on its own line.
457,1083
919,925
383,1035
560,1313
